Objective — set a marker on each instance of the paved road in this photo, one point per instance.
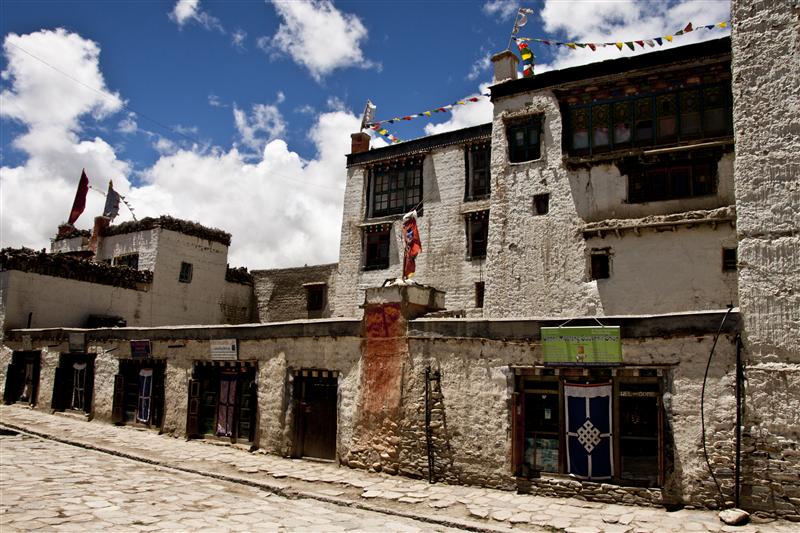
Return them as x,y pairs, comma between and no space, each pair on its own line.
49,486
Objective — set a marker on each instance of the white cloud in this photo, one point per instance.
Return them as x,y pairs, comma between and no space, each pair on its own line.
307,24
36,196
264,124
128,124
480,66
505,9
213,101
186,11
238,37
625,20
282,210
464,116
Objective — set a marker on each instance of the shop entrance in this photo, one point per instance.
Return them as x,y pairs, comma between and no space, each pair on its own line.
73,387
22,378
315,397
590,423
139,392
222,401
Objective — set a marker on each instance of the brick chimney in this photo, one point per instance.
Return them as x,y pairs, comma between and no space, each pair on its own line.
359,142
505,66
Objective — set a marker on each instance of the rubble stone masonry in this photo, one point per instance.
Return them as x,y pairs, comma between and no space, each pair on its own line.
766,95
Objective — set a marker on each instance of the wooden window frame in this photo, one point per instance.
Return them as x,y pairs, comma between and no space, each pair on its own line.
643,179
186,272
480,293
482,152
730,259
637,105
372,237
561,376
479,219
529,151
395,188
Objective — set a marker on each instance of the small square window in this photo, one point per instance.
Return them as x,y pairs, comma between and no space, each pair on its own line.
315,297
477,226
524,140
186,273
376,247
479,287
729,259
600,264
541,203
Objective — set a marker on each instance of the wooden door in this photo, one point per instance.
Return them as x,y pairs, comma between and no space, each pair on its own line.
193,409
118,406
11,391
317,417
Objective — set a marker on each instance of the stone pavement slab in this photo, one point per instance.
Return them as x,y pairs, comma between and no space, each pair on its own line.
477,509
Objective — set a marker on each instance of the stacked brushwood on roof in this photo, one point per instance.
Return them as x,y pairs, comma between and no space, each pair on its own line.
75,232
71,267
166,222
239,275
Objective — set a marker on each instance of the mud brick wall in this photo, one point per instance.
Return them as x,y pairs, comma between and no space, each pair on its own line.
280,294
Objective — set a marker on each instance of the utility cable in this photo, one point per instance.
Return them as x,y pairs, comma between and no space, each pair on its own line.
175,131
702,406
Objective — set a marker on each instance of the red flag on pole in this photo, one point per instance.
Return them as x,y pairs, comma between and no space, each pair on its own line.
80,199
413,246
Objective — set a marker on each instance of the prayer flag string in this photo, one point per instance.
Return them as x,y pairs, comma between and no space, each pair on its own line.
620,44
376,125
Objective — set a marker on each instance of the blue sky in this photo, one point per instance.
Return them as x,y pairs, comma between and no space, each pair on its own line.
238,114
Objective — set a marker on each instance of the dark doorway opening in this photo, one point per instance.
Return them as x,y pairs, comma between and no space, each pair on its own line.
316,399
22,378
73,387
222,401
139,392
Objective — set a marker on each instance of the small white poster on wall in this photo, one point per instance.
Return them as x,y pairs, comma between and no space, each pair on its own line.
224,350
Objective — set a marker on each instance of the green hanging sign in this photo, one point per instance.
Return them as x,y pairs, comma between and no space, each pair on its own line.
582,345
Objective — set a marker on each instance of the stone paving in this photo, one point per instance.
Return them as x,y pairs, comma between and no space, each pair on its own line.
466,507
50,486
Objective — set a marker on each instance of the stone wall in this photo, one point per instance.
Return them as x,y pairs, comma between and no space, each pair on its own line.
443,262
766,97
280,293
470,403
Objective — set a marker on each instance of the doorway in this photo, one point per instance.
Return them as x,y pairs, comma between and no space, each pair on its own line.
73,386
222,401
139,392
316,406
22,378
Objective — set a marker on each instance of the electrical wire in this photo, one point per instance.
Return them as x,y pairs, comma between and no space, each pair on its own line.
702,406
174,131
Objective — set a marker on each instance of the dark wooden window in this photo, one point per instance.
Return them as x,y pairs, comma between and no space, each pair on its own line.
376,247
541,203
395,189
315,297
638,443
186,273
128,260
524,143
729,259
673,180
600,265
477,225
479,288
477,159
649,120
542,425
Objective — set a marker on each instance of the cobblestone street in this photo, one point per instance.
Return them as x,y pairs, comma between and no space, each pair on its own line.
50,486
124,479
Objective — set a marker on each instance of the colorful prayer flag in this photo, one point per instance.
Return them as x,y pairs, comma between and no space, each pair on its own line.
413,245
111,209
79,204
